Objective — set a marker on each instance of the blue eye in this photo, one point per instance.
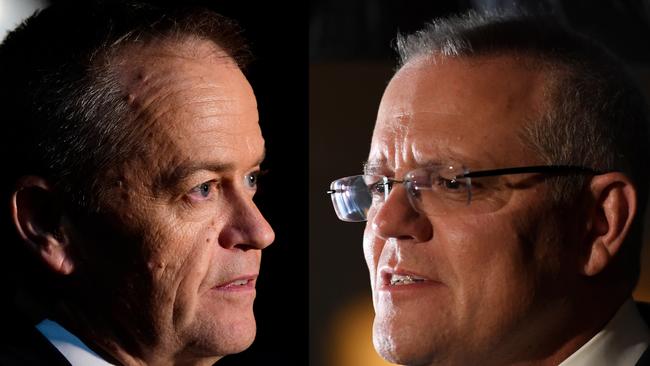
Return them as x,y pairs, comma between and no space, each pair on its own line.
252,179
203,190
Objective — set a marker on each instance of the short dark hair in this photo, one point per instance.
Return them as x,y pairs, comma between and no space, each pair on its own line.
597,115
64,112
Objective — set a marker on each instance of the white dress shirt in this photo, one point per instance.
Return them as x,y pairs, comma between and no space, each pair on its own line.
620,343
72,348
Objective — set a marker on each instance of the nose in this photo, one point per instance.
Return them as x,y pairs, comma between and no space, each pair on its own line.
246,228
396,218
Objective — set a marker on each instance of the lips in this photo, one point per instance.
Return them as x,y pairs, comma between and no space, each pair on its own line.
242,283
400,280
394,278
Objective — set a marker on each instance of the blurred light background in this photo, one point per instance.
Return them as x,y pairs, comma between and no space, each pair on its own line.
12,12
351,61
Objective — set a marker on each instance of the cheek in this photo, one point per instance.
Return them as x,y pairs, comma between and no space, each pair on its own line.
490,261
478,241
372,247
180,268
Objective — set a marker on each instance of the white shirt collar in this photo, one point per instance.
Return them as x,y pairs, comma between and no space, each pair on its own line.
621,342
74,350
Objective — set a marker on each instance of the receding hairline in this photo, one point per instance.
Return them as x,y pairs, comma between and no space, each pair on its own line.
140,54
552,73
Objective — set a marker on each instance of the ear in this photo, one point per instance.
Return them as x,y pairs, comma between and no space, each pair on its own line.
610,219
38,217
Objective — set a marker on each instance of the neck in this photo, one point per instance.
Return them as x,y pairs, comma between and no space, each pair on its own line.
155,359
123,346
561,330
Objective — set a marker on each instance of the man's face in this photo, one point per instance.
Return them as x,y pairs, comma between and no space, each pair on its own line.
490,279
182,237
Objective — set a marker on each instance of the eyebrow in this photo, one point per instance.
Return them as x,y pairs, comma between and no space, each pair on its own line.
373,167
184,170
380,167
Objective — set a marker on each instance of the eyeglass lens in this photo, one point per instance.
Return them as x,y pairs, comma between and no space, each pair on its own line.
432,191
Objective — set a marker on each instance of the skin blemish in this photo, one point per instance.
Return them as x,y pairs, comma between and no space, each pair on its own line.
155,266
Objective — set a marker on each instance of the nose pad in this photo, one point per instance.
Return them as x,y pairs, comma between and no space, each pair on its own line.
397,218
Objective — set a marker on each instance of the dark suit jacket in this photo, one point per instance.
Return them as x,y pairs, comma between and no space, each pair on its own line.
22,344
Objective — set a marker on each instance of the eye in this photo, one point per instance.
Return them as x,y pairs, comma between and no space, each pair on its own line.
203,191
378,189
451,184
251,180
412,188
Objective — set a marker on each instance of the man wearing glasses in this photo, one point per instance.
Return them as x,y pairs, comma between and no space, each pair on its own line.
503,197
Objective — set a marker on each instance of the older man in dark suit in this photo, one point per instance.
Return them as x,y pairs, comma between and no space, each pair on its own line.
130,160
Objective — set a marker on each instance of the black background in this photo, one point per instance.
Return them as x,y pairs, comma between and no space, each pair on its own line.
277,35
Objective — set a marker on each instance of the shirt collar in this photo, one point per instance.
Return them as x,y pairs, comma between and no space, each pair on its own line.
72,348
621,342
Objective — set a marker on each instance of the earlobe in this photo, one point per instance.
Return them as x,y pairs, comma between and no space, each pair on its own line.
37,216
611,218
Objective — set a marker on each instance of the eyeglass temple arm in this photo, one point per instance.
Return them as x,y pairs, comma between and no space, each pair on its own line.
557,169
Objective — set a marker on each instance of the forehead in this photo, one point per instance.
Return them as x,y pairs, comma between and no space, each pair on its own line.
470,110
191,101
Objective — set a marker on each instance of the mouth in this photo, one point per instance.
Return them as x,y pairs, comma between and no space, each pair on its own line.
401,280
393,279
243,283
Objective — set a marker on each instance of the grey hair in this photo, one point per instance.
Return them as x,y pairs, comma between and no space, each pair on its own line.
596,115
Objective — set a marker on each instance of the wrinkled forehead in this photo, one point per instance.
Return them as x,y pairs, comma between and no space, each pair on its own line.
472,109
177,65
191,103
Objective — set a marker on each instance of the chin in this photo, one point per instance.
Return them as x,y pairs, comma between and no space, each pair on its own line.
218,335
406,343
243,336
